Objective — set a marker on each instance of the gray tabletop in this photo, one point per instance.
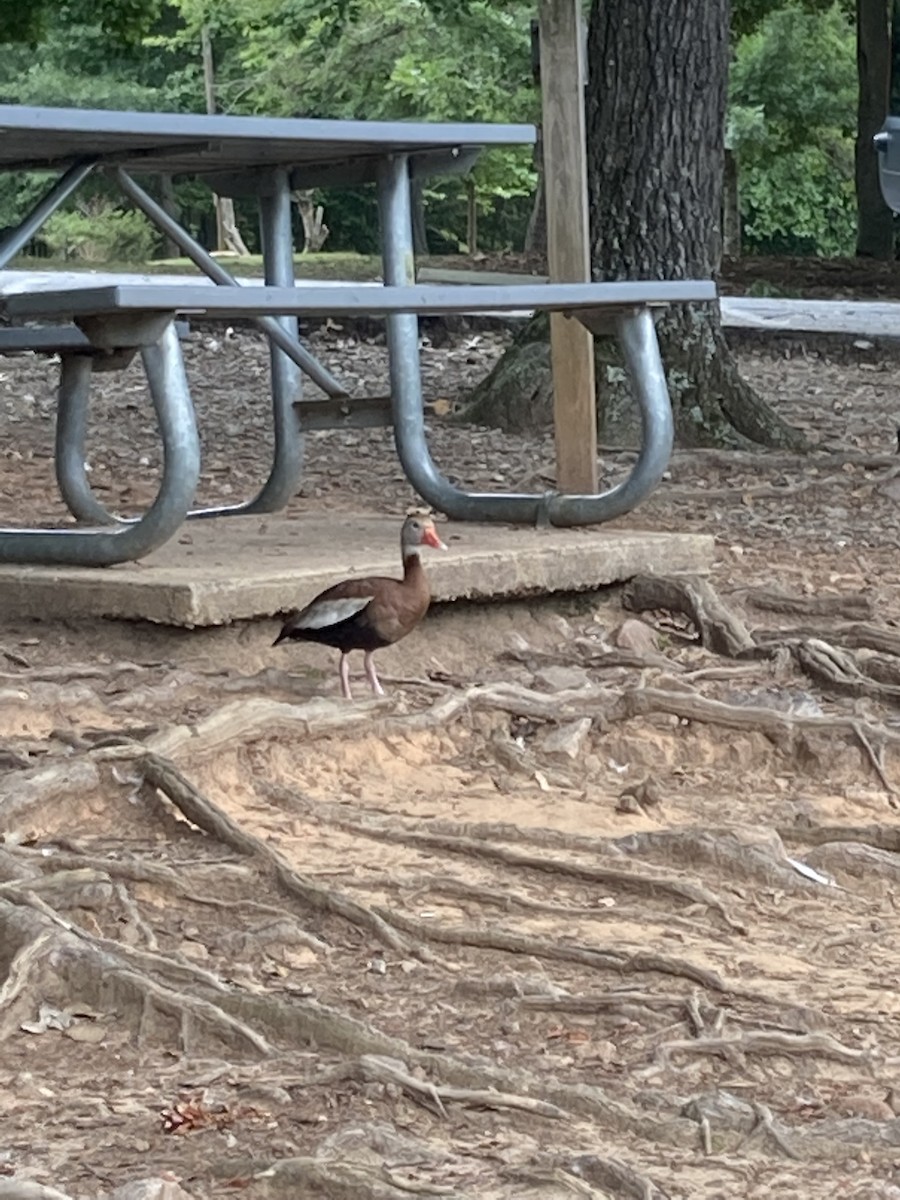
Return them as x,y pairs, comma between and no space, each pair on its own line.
196,144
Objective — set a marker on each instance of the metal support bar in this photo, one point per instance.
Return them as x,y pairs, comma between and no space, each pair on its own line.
181,471
72,404
637,335
18,238
283,480
278,257
208,265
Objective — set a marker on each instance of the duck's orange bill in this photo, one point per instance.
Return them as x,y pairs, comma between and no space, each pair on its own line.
430,538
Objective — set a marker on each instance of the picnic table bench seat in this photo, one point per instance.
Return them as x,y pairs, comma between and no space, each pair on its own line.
116,317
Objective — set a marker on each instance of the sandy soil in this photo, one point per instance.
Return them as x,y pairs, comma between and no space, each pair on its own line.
584,907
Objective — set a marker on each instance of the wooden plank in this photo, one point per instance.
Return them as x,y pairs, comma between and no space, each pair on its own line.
568,252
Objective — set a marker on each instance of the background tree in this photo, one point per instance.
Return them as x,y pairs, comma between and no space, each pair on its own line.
875,226
656,102
792,122
388,60
120,20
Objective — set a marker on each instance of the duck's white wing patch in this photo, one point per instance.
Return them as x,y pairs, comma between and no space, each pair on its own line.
330,612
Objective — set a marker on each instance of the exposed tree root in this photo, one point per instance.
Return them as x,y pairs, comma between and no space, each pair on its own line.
612,1001
884,837
385,1070
721,630
177,971
857,859
857,636
718,627
545,1177
45,787
206,816
70,671
766,1042
613,1176
509,901
781,728
854,607
294,1177
633,882
602,958
767,1124
839,670
302,1021
739,853
587,654
257,717
385,923
54,962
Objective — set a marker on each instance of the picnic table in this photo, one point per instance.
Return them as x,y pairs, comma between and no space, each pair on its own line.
102,327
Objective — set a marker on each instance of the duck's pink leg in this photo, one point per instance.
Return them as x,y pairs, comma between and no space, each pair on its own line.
374,681
345,677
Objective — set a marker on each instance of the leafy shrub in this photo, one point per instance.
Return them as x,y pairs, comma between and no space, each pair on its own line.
792,124
98,231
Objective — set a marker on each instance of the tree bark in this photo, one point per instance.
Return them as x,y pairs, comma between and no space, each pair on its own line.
536,233
875,222
731,220
655,126
168,198
417,204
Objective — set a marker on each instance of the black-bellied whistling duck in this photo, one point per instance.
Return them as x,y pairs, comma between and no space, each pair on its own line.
370,612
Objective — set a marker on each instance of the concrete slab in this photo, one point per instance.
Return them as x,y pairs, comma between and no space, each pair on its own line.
238,568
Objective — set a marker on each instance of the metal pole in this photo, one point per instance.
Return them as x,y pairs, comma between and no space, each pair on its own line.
278,257
181,472
637,336
398,269
17,238
72,405
208,265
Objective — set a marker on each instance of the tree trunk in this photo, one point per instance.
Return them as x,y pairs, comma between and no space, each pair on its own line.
471,216
417,204
536,233
875,222
312,217
655,126
169,201
731,220
228,236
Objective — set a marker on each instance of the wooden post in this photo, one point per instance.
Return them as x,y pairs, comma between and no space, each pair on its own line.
568,248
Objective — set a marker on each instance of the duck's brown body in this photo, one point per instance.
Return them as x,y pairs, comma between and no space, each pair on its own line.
370,612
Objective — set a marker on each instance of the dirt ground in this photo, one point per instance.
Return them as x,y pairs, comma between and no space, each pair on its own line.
599,901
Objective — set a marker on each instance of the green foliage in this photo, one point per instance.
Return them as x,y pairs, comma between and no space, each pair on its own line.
791,119
30,21
792,125
98,231
748,15
388,60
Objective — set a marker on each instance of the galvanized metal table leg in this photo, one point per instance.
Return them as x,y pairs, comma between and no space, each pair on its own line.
288,356
278,257
217,273
287,457
636,334
72,405
181,470
17,239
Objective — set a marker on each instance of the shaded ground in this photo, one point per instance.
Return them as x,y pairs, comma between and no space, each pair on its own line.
599,901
